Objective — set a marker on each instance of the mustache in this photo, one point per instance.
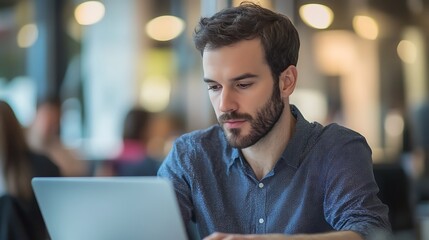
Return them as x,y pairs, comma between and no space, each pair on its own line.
233,115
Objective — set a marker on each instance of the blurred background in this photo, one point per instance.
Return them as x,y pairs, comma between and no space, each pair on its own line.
363,64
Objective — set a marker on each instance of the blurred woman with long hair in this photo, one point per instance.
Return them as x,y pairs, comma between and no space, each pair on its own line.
18,165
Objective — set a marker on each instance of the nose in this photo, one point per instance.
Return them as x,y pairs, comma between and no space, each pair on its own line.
228,101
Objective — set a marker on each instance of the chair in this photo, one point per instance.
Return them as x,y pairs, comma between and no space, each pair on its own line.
396,193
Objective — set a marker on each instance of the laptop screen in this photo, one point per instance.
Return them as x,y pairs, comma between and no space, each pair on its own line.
100,208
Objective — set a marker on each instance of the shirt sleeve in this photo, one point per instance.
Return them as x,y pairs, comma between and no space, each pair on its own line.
174,169
351,201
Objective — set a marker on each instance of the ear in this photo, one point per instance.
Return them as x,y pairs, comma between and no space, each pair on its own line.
287,81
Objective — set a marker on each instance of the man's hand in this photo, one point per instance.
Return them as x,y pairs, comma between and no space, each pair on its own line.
227,236
340,235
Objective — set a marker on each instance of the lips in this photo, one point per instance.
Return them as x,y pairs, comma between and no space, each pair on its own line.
234,120
234,123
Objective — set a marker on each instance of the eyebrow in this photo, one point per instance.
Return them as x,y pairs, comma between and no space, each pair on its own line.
237,78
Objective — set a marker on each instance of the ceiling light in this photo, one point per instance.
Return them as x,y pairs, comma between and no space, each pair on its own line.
407,51
316,15
165,28
90,12
366,27
27,35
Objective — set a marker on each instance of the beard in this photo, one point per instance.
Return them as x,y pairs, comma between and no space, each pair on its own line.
260,125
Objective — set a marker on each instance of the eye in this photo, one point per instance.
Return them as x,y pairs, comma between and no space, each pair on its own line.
244,85
214,87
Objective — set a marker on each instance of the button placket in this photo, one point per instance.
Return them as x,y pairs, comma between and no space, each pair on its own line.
261,211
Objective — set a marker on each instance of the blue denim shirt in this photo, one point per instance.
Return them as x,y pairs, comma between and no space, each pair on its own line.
322,182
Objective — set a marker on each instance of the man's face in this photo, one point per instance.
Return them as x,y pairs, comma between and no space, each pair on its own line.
243,94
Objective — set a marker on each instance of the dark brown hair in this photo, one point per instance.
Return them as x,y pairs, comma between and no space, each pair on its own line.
14,154
135,124
248,21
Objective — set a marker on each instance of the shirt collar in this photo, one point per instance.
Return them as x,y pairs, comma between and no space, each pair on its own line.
303,138
235,156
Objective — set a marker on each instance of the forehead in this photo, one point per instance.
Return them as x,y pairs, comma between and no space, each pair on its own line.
246,55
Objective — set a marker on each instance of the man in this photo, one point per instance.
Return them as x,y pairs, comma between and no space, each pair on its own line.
265,170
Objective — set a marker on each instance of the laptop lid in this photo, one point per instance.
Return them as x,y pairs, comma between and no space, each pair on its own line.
104,208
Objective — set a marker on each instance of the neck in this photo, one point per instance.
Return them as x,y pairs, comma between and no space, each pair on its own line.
263,155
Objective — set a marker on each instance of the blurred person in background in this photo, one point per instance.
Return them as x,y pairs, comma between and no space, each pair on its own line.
135,136
155,132
133,158
165,128
43,136
20,217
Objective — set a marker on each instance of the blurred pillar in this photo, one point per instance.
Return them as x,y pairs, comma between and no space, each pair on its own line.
416,90
415,66
199,112
355,61
360,93
110,62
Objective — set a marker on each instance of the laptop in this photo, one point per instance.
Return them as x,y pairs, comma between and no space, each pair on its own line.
109,208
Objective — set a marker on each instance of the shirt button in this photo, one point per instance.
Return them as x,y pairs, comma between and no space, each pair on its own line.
261,220
261,185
